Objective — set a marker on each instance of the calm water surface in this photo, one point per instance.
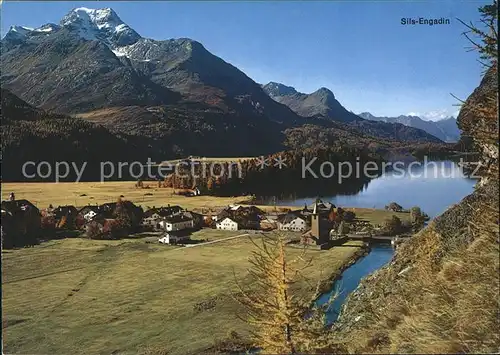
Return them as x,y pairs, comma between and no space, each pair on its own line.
379,255
433,187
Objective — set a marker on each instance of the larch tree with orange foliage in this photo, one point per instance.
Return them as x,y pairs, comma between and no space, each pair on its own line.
283,323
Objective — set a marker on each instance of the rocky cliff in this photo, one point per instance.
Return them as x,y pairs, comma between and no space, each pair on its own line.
478,119
439,294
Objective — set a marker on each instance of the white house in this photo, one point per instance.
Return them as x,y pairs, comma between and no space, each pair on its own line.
292,223
89,215
154,217
176,223
227,224
88,212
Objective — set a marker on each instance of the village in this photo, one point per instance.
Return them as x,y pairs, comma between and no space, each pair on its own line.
123,254
320,224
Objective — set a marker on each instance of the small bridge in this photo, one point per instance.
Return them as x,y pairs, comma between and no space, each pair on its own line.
394,240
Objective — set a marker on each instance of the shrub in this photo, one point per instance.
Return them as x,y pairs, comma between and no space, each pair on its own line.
48,222
79,222
115,228
395,207
406,225
417,217
349,216
93,231
392,225
343,228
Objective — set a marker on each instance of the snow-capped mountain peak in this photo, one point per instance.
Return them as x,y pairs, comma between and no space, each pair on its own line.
49,27
22,30
92,17
100,24
106,27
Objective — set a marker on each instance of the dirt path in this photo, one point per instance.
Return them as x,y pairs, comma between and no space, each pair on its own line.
213,241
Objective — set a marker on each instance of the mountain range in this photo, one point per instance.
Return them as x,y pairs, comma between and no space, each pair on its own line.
446,129
172,94
323,104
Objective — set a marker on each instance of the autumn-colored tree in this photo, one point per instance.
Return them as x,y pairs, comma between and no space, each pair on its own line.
122,214
93,231
275,311
210,184
79,222
48,222
332,216
115,228
62,223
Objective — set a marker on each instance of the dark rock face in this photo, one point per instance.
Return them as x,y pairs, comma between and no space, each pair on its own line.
394,207
69,74
321,103
274,89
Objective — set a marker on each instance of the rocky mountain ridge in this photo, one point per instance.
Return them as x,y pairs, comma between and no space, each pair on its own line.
174,92
445,129
322,104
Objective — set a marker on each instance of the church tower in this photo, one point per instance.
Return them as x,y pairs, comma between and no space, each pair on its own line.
315,224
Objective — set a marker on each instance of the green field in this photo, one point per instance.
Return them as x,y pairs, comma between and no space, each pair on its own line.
79,296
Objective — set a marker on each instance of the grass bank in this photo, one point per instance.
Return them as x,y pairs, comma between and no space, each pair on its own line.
83,296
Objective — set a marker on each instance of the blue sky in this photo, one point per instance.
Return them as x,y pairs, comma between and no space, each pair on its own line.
358,49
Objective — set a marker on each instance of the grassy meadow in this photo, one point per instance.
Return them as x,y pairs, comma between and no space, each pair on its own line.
83,193
80,296
80,194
